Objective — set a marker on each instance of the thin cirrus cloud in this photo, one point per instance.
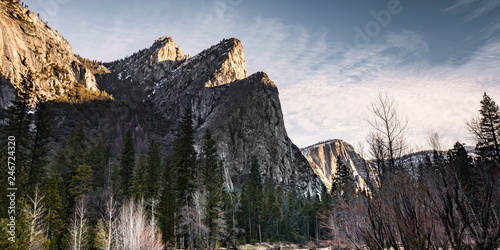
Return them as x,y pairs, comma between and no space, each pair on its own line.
471,9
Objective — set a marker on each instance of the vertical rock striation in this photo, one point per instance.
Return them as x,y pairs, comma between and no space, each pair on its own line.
323,160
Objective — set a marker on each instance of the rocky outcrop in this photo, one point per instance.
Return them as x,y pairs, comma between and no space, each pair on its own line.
323,160
221,64
149,65
29,45
247,123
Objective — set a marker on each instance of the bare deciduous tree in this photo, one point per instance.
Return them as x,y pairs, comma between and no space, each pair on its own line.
389,127
191,222
36,212
474,127
134,230
434,140
78,226
106,228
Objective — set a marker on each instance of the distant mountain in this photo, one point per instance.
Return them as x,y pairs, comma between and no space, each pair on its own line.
151,90
323,159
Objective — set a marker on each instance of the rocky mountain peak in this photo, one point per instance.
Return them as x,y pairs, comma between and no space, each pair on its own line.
165,50
323,159
149,65
218,65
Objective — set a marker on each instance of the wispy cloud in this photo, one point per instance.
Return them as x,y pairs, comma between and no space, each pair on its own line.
472,9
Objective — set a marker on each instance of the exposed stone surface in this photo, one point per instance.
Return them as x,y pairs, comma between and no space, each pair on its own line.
132,79
28,44
151,64
323,160
247,123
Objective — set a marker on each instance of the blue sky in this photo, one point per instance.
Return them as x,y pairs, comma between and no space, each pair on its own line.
329,59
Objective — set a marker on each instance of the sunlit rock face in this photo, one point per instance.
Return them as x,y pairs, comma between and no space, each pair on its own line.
29,46
323,160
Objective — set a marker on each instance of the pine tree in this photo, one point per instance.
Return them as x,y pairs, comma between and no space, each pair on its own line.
167,205
138,183
127,162
77,146
18,126
342,184
55,212
98,159
271,211
184,169
40,147
184,157
82,182
213,183
462,164
152,171
490,126
338,180
251,204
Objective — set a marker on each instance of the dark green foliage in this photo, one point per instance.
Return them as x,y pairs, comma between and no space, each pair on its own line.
184,168
152,172
77,146
342,184
184,161
462,165
213,186
138,183
40,146
17,125
127,162
490,127
167,205
82,182
56,214
251,205
271,213
99,157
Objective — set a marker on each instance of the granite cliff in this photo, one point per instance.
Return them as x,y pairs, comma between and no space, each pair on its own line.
30,46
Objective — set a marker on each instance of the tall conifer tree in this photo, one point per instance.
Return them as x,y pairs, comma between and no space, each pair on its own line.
490,126
152,171
127,162
213,183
